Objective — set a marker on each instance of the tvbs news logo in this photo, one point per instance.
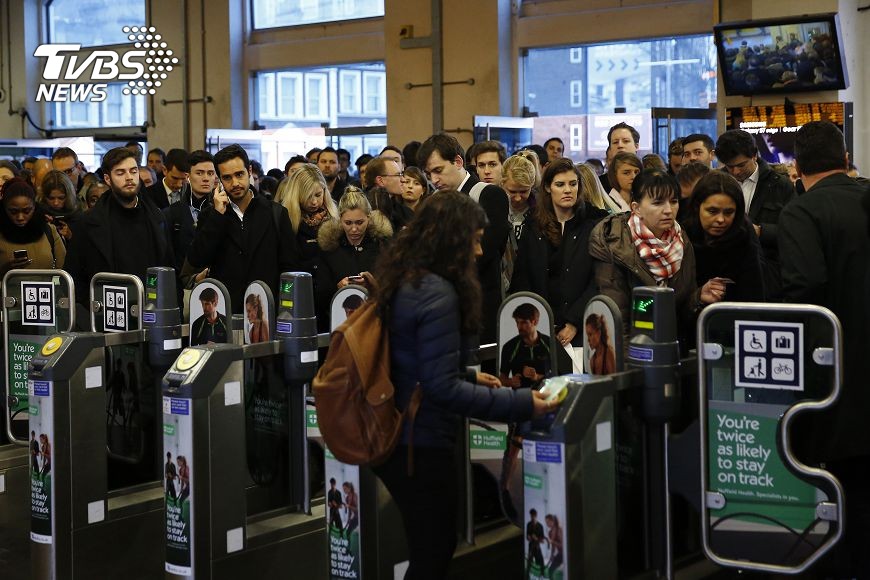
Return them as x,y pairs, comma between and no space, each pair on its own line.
85,77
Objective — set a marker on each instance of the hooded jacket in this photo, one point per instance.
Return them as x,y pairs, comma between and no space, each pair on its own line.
339,259
619,268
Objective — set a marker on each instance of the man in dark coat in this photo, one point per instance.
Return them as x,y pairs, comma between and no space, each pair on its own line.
443,160
124,233
765,193
243,237
825,251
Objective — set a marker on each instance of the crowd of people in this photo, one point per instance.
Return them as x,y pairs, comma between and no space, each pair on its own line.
442,235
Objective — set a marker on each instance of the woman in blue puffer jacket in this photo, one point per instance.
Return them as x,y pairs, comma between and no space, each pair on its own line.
430,299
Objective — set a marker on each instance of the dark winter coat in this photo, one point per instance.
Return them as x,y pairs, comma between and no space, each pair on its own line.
494,202
738,258
425,347
91,249
576,276
339,259
237,253
772,193
825,251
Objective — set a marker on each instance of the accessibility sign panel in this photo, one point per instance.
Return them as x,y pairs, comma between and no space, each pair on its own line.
37,304
769,355
115,309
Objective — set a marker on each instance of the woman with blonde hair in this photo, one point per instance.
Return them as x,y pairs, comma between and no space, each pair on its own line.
593,191
349,245
306,198
536,162
518,180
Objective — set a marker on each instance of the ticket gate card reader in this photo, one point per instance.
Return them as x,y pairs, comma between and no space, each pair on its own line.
569,483
203,413
24,336
73,517
74,513
205,454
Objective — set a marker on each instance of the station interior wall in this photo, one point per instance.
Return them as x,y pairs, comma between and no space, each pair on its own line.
480,39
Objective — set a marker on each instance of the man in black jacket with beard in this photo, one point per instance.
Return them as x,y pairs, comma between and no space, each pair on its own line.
243,237
825,252
124,233
442,158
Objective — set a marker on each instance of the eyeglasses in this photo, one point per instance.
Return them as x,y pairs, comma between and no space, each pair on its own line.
20,211
70,171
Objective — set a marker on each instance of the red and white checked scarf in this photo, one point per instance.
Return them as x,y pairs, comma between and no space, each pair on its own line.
662,256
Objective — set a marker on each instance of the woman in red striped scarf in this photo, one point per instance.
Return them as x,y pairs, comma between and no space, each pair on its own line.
647,247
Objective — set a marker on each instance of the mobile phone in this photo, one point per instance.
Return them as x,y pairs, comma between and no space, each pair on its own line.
59,218
356,279
19,254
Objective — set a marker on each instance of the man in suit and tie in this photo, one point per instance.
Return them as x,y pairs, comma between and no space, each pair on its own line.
168,190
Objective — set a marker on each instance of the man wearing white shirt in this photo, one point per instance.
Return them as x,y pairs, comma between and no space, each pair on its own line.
765,192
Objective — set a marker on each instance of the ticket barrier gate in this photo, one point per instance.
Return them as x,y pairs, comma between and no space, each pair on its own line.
209,529
23,335
596,473
761,368
92,441
371,546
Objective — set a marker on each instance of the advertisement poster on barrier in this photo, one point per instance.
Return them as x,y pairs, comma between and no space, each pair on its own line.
177,483
21,349
208,315
545,510
342,518
526,356
745,466
601,339
41,442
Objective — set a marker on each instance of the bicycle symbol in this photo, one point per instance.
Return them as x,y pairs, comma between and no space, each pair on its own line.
782,369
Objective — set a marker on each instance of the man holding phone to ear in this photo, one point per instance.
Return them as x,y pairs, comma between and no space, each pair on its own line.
242,237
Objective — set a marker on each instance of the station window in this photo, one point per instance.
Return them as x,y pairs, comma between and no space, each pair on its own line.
637,75
116,110
576,93
340,96
93,22
276,13
351,92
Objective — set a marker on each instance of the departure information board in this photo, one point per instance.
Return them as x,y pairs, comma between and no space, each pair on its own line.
774,126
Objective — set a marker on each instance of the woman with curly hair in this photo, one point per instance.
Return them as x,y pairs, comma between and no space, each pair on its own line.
256,323
430,299
553,258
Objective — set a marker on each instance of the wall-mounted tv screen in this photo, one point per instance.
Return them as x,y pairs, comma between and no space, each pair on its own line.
781,55
774,126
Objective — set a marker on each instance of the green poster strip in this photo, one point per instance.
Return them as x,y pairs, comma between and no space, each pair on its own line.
746,468
311,417
20,349
488,440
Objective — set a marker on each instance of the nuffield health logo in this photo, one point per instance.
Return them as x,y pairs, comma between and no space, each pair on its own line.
76,75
